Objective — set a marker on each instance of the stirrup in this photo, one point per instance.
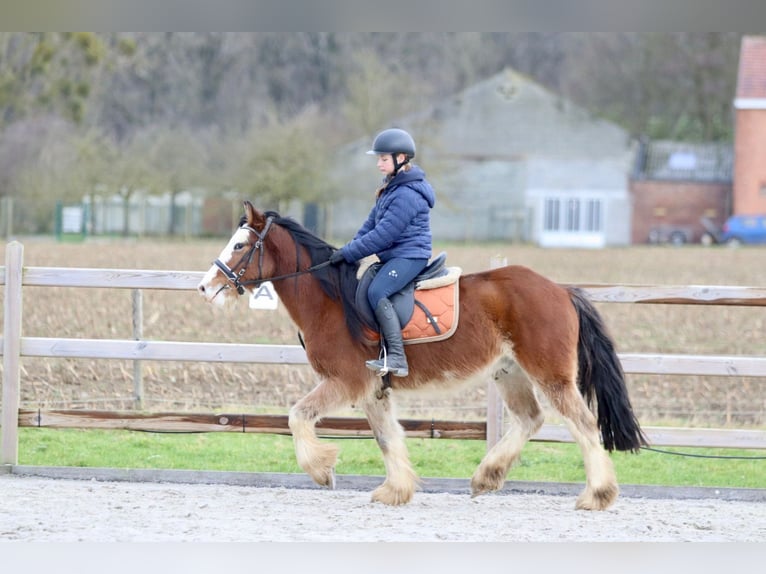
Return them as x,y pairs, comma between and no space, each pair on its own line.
379,365
382,368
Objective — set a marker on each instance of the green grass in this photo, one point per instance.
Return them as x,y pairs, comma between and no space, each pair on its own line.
431,458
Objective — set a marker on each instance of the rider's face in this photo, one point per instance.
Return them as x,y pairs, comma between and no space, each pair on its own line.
386,163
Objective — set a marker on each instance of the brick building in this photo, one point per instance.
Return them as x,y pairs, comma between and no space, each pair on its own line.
749,193
675,186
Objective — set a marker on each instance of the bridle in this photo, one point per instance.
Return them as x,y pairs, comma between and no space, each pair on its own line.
235,277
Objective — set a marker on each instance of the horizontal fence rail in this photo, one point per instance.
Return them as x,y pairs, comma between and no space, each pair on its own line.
129,349
162,351
677,294
14,346
185,280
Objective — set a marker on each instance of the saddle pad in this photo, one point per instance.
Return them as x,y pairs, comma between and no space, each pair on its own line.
443,305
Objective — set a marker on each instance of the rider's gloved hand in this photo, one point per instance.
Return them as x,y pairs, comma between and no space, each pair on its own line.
337,257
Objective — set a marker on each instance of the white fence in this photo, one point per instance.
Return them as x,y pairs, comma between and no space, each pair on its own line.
15,276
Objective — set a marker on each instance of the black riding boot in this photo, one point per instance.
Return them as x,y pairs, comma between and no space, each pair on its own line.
394,360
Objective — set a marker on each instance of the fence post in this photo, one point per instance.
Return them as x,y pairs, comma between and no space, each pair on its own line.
14,261
494,401
138,333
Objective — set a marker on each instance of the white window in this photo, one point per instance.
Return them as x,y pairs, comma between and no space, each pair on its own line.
592,215
552,209
573,215
572,222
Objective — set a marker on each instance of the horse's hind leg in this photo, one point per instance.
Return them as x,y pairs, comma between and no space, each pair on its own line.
316,458
600,481
401,480
525,419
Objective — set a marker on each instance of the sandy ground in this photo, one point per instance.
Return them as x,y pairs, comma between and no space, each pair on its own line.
61,510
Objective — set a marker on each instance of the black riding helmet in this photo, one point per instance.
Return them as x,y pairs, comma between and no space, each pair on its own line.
394,141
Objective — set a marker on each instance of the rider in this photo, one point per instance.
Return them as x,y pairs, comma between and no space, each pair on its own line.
398,231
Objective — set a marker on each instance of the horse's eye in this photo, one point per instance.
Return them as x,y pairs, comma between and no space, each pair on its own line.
238,246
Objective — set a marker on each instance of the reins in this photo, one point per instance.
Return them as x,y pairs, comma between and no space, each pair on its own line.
235,278
286,276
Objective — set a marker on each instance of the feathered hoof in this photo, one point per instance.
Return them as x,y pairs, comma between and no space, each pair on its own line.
392,496
322,467
597,499
486,481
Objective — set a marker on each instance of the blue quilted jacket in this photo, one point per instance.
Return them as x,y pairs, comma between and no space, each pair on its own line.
399,224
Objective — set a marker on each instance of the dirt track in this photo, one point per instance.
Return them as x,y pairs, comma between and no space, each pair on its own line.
45,510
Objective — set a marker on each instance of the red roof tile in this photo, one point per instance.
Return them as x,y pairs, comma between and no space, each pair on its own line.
751,78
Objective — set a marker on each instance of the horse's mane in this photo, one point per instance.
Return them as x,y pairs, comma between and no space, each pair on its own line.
338,282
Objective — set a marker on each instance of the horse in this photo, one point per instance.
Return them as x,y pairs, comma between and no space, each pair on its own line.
521,329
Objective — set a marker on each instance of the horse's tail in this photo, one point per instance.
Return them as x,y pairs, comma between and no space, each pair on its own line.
600,377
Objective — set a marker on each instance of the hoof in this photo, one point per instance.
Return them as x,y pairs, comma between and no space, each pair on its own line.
325,478
487,481
322,467
386,494
599,499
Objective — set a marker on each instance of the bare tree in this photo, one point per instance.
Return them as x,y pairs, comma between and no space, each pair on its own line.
674,86
287,161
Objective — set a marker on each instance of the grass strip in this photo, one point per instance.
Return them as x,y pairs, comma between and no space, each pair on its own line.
552,462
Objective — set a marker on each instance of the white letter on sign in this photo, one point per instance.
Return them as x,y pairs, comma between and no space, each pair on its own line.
264,297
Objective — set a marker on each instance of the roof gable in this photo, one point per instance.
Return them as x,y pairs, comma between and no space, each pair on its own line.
509,116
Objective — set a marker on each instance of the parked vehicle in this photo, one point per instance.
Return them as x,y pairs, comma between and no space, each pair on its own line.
744,229
673,235
712,232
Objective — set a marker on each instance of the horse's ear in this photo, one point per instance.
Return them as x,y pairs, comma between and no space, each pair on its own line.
254,218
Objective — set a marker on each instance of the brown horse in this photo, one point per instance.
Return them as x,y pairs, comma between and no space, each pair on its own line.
516,326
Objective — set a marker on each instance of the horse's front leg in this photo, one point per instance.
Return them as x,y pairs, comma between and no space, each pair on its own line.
401,480
316,458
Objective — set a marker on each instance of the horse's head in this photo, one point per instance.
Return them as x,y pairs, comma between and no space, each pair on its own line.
268,247
243,263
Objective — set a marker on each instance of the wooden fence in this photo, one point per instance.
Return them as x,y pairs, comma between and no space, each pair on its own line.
14,276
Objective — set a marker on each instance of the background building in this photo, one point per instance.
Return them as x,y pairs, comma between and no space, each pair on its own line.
749,196
677,189
510,161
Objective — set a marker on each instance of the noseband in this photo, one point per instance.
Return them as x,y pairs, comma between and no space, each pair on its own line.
235,277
